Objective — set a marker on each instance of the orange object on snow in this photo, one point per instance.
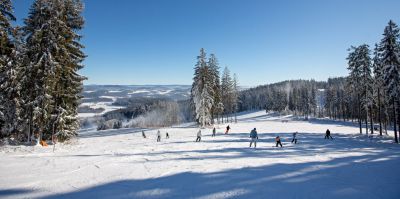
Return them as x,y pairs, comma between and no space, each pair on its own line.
43,143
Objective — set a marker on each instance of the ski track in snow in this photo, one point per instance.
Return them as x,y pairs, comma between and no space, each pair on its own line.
122,164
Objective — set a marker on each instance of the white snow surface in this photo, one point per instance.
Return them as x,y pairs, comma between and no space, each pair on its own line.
123,164
107,106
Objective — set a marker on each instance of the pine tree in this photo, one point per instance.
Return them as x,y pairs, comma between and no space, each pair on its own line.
55,57
202,90
378,85
214,69
364,62
226,92
70,84
389,50
355,78
7,51
235,94
11,88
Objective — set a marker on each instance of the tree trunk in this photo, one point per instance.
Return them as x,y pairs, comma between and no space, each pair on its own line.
394,119
366,123
398,117
359,114
371,121
379,112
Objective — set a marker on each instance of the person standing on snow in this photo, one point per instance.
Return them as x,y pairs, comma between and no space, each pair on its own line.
278,141
214,131
328,134
227,129
143,134
198,139
254,137
294,138
166,135
158,136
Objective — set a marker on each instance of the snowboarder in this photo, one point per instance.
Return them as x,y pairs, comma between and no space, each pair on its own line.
198,139
278,141
143,134
158,136
328,134
214,131
227,129
254,137
166,135
294,137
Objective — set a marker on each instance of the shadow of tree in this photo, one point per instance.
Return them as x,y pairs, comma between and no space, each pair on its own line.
348,177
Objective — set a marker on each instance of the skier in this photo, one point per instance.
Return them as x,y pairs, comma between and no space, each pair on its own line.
227,129
328,134
166,135
278,141
198,139
158,136
294,137
214,131
143,134
254,137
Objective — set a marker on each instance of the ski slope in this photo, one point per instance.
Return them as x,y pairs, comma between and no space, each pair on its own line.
122,164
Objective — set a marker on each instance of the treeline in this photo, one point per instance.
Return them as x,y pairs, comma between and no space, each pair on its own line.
295,96
40,86
374,82
213,97
369,95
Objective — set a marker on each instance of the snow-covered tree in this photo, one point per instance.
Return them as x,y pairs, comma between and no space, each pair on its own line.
7,49
364,62
355,77
235,95
202,91
70,85
55,57
227,92
11,87
378,85
217,108
389,50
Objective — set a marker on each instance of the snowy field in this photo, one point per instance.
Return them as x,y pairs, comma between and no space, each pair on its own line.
122,164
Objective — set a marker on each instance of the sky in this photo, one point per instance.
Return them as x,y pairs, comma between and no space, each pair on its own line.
138,42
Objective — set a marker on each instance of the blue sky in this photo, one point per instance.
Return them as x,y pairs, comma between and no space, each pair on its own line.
263,41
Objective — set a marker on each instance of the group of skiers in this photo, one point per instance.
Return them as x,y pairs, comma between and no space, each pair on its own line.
253,136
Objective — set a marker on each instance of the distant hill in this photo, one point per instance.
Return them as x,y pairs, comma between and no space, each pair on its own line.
99,99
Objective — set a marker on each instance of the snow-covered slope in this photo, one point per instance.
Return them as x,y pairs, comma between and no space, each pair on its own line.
123,164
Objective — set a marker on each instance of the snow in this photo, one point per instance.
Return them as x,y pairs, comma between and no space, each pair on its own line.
138,91
164,92
107,106
122,164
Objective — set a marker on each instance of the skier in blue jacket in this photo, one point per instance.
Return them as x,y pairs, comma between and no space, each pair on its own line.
254,137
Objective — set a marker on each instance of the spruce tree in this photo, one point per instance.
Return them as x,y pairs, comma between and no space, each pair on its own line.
67,93
235,94
7,49
202,90
217,104
226,92
11,88
364,62
55,57
378,85
389,50
355,78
